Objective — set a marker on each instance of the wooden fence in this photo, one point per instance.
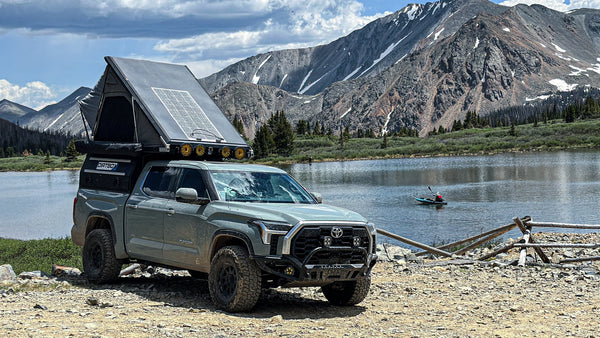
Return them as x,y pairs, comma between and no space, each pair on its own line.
524,224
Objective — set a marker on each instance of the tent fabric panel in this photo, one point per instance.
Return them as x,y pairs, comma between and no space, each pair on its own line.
115,122
90,103
146,132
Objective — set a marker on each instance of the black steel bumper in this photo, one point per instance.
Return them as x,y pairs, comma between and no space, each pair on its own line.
290,271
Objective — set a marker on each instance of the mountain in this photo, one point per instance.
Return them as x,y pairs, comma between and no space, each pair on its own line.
363,53
13,112
62,117
496,58
16,139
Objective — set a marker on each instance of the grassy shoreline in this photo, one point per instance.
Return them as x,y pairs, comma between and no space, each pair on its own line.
39,254
554,136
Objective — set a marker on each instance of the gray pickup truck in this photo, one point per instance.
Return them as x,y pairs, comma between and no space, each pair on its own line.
243,227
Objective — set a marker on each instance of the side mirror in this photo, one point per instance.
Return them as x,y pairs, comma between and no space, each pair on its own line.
317,196
190,195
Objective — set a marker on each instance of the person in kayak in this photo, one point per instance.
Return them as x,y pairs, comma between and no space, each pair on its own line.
438,197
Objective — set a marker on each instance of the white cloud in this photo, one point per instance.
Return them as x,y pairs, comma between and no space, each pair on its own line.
289,24
557,5
34,94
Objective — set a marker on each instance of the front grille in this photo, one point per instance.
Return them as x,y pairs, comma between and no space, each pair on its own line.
311,237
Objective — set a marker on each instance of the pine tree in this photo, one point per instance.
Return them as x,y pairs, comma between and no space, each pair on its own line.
47,158
239,125
71,151
513,129
283,135
263,144
384,143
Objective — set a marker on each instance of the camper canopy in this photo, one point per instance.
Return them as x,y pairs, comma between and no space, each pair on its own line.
151,107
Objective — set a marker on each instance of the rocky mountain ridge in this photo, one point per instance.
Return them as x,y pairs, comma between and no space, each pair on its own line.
491,61
363,53
12,111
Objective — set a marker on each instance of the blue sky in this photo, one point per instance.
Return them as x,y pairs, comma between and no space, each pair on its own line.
50,48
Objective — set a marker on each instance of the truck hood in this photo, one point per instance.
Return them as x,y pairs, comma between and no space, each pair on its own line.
292,213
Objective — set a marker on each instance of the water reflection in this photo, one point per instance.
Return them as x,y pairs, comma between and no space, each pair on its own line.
483,192
37,204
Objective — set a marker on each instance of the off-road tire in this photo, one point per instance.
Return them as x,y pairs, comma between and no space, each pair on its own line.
234,280
347,293
99,261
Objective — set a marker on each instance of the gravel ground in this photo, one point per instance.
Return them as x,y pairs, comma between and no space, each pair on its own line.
409,297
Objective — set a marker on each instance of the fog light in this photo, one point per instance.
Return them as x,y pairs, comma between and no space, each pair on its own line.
356,241
200,150
186,150
289,271
327,241
225,152
239,153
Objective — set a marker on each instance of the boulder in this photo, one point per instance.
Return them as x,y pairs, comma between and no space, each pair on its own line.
7,273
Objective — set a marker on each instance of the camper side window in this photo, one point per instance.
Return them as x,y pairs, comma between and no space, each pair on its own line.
160,182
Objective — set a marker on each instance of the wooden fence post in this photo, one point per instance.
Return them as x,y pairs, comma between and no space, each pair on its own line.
523,230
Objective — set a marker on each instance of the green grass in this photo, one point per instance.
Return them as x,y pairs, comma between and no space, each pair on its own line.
36,163
556,135
33,255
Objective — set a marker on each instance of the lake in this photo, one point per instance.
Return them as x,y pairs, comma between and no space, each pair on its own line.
483,192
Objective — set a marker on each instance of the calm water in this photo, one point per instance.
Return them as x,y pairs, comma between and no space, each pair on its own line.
483,192
37,204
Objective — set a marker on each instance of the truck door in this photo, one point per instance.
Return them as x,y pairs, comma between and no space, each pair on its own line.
185,224
145,213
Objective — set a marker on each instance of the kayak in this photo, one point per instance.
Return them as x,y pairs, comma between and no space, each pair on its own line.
430,201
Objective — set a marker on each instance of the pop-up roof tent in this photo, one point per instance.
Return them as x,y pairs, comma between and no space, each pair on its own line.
144,107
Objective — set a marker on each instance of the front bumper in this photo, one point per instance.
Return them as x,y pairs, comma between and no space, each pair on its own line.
286,270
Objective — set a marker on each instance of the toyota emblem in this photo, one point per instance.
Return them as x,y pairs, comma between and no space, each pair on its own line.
336,232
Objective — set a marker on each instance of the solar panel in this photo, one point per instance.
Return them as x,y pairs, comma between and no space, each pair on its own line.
188,114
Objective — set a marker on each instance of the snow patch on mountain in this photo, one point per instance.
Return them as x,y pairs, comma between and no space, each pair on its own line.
304,81
352,74
558,48
344,114
562,85
256,78
312,84
385,53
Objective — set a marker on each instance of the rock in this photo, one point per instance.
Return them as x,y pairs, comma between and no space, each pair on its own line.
276,319
33,275
93,301
59,270
7,273
41,307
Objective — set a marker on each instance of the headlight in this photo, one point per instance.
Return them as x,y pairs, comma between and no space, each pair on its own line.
268,228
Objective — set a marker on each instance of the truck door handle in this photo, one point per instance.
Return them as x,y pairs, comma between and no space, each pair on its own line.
132,206
171,212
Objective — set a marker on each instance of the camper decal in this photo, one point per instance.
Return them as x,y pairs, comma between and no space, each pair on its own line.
107,166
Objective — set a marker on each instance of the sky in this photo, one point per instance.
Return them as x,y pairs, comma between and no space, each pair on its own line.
50,48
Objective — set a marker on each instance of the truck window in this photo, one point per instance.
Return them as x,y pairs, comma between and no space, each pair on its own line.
160,182
192,178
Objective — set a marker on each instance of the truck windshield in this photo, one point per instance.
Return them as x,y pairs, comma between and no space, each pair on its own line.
243,186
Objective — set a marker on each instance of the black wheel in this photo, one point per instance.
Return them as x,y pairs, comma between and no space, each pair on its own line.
347,293
234,280
99,261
